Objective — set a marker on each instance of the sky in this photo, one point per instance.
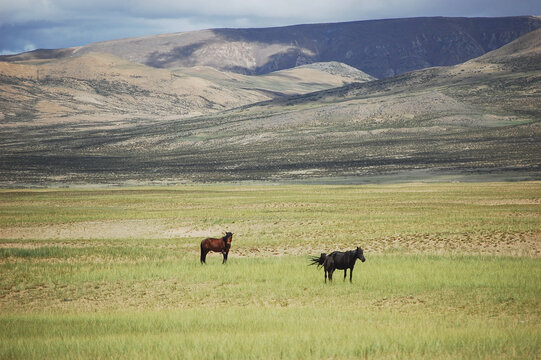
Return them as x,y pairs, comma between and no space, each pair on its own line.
50,24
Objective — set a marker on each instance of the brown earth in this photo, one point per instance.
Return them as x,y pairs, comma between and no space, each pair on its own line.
98,88
111,233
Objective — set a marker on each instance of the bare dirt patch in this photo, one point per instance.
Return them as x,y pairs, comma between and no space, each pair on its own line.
83,230
89,235
191,232
509,202
116,229
496,243
499,244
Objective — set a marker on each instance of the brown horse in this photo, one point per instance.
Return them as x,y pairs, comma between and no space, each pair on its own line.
217,245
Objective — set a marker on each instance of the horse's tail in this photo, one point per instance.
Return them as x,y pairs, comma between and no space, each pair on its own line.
202,252
318,260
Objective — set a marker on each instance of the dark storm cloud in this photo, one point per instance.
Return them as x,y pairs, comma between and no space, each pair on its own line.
29,24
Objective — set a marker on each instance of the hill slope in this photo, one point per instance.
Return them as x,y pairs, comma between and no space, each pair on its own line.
480,117
381,48
103,88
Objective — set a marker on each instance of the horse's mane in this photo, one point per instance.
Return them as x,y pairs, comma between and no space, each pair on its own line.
226,236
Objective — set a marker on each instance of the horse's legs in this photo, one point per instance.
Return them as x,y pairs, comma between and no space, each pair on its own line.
330,274
224,253
204,253
350,274
345,272
325,275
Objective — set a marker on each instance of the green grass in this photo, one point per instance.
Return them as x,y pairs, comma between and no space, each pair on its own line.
271,334
398,306
148,297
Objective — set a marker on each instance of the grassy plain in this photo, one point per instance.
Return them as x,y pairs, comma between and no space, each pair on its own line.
452,271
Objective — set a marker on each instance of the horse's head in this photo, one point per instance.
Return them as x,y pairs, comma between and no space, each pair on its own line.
228,237
360,254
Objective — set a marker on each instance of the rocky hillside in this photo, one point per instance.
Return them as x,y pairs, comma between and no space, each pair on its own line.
381,48
522,54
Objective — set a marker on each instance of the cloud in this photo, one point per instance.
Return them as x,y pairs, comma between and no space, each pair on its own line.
66,23
308,10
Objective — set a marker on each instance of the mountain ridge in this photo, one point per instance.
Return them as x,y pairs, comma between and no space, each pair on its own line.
381,48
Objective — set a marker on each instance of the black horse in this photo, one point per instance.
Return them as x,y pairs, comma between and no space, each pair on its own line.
338,260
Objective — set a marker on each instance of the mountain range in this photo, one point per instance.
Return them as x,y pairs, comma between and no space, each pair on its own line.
380,48
300,103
